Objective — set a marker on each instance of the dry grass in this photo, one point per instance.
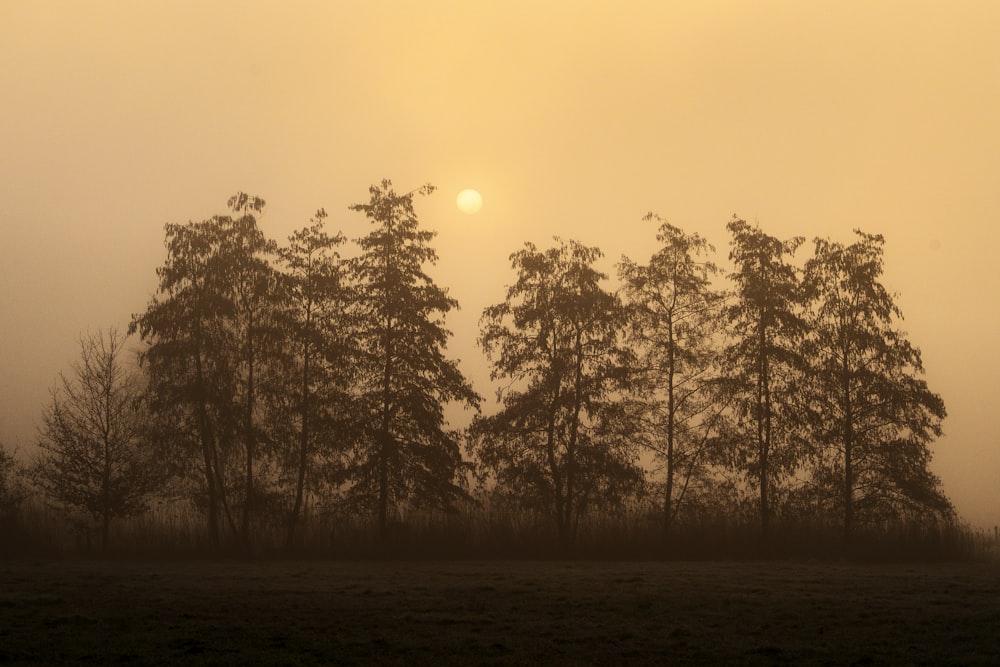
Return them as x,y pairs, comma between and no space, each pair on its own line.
176,531
495,612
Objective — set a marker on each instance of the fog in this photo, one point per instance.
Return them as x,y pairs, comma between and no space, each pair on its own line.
571,120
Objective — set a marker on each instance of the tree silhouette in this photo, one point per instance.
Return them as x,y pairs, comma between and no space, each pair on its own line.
555,342
203,330
764,357
872,416
92,456
13,493
248,284
317,300
676,326
404,452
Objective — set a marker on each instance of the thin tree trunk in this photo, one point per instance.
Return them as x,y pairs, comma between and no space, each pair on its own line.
107,389
385,438
303,440
224,500
207,452
574,433
848,451
764,427
249,437
562,525
106,500
105,522
668,500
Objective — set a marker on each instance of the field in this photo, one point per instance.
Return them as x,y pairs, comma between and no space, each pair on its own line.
496,612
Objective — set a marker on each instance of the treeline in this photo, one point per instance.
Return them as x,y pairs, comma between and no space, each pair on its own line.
282,389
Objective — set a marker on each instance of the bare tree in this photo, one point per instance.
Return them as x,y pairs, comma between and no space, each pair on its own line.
12,492
91,437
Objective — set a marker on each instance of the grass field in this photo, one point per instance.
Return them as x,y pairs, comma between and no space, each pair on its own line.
105,612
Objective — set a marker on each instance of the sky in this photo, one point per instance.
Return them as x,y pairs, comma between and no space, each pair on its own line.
573,119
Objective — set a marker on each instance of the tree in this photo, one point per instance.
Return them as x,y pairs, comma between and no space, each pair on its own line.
184,358
764,357
555,341
203,330
675,327
316,313
92,455
404,452
873,417
12,492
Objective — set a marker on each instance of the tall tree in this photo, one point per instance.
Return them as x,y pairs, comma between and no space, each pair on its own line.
249,284
404,453
873,416
202,331
92,456
675,317
764,357
318,299
555,342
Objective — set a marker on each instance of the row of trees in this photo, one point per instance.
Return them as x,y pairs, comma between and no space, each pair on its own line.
278,380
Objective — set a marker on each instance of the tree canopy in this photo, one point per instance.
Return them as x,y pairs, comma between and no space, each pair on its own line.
279,386
873,416
404,451
556,343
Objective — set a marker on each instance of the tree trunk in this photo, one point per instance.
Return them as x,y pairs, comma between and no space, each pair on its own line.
385,438
207,453
249,438
303,443
848,451
764,427
562,526
105,525
572,508
107,388
224,501
562,523
668,509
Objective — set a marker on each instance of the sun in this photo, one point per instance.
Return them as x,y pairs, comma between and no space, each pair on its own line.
469,201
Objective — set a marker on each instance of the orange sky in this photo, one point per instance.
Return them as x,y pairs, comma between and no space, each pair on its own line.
572,118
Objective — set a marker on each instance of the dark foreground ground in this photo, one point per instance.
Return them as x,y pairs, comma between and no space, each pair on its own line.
498,613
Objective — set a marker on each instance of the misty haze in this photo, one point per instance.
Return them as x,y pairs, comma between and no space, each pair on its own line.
421,333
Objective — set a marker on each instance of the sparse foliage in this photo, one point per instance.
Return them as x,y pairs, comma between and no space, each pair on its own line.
92,456
12,489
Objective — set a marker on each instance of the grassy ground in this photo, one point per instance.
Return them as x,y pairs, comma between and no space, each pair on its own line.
498,613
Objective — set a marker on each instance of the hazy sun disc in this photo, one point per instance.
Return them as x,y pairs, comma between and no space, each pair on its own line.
469,201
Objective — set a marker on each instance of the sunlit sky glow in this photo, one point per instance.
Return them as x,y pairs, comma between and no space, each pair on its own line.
571,118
